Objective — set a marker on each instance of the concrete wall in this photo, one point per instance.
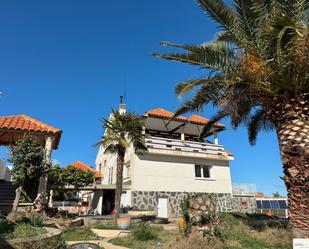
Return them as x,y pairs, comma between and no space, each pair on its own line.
177,174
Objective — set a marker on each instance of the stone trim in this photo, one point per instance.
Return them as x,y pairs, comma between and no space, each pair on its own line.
148,200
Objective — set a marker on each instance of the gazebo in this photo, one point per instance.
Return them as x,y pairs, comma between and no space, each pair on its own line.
13,128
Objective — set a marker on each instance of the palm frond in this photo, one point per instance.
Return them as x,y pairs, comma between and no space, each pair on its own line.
258,122
207,128
219,12
187,86
215,55
210,92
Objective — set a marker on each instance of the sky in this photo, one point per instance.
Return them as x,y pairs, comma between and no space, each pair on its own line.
66,62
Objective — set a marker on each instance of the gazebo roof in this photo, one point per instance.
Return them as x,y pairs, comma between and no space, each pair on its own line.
13,128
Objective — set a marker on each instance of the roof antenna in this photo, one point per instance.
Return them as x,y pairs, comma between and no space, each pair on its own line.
122,106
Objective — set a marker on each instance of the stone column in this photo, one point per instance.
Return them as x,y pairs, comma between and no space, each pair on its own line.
216,140
41,197
182,135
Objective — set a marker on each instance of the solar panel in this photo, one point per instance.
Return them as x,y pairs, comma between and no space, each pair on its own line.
259,204
282,204
274,204
266,204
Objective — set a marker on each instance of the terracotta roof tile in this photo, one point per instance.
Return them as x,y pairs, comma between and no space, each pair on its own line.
26,123
84,166
162,113
198,119
159,112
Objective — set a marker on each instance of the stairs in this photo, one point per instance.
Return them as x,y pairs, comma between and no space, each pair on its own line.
7,196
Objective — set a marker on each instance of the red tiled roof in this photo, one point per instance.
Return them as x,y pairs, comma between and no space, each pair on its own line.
198,119
229,153
24,122
161,113
84,166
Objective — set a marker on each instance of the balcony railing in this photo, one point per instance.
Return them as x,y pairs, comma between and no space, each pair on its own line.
184,146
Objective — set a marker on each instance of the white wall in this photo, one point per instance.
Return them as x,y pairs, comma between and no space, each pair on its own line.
167,173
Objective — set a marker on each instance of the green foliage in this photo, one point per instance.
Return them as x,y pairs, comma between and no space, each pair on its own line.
78,233
70,175
36,220
5,227
24,230
27,157
121,131
259,55
185,213
154,237
277,195
144,233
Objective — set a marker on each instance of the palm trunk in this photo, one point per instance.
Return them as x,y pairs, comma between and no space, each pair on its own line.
119,178
293,134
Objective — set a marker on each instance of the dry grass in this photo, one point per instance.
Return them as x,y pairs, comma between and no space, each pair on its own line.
237,234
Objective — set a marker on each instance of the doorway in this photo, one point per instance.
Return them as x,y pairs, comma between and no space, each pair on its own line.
108,202
162,208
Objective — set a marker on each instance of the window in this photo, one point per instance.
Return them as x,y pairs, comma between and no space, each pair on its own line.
202,171
126,170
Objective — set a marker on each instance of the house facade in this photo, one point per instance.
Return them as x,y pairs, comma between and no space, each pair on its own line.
176,163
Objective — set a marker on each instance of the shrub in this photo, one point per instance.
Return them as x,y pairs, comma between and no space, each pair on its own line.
78,233
36,220
145,233
24,230
5,227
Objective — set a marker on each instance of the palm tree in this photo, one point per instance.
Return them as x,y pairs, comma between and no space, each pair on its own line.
122,130
257,74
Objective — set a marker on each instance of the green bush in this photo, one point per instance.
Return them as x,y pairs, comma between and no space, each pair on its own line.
145,233
5,227
36,220
24,230
78,233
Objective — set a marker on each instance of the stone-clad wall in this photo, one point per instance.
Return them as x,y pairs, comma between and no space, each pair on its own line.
148,200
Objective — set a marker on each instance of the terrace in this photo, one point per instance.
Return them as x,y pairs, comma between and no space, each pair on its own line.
158,145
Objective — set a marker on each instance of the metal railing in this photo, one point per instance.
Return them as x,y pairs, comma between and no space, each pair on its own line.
244,189
185,146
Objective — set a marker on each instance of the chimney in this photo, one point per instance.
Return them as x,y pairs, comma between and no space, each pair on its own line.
122,106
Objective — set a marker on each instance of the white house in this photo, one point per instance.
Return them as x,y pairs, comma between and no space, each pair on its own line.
176,163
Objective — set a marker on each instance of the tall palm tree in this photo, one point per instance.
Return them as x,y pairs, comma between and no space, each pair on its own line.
122,130
257,74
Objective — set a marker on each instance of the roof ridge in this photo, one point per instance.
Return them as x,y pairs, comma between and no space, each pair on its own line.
31,119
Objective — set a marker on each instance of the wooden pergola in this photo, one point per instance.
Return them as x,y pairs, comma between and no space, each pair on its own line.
13,128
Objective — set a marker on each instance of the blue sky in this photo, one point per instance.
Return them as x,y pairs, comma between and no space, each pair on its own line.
66,63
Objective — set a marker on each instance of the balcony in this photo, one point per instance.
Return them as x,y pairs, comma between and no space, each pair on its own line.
167,146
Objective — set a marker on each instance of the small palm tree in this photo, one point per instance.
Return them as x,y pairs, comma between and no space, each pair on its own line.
257,74
122,130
